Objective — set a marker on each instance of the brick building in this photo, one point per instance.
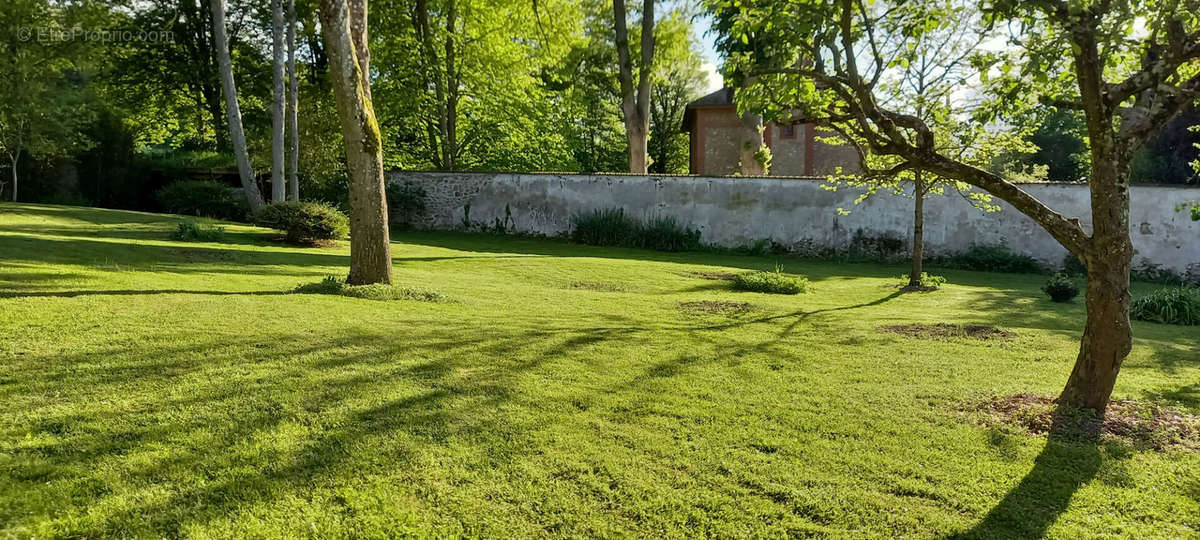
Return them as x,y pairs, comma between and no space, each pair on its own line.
717,134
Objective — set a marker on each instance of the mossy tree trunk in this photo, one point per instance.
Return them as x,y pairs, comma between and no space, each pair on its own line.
345,25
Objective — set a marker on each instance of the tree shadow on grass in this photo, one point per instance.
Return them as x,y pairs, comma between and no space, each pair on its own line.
134,292
1066,464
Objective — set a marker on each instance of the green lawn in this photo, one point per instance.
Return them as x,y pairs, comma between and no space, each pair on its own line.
158,388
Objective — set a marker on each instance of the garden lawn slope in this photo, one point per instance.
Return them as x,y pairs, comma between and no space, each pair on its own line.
158,388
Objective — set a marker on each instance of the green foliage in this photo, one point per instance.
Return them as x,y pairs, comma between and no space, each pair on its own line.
1061,288
775,282
376,291
190,230
604,227
304,222
882,248
927,281
406,202
665,233
611,227
1177,305
1072,266
204,199
992,258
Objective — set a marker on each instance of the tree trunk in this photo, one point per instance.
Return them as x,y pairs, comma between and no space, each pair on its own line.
450,137
232,112
635,102
14,176
918,245
1107,336
278,102
434,77
752,142
370,252
293,123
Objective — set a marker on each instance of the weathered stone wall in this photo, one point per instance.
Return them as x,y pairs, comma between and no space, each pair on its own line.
736,211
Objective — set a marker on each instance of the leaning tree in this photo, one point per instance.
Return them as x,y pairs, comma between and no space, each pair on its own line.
1128,67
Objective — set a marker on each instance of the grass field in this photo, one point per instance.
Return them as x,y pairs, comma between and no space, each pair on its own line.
159,388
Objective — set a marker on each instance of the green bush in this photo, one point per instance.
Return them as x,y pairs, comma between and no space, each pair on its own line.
406,202
770,282
1072,266
992,258
606,227
881,248
378,291
928,281
191,231
1176,305
611,227
665,233
304,222
204,199
1061,288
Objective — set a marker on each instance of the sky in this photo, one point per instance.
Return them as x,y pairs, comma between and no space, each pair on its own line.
702,24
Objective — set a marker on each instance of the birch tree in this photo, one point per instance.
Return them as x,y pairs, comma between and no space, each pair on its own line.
278,103
344,25
293,124
233,112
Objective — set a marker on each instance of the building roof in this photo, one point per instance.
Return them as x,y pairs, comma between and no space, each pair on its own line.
720,98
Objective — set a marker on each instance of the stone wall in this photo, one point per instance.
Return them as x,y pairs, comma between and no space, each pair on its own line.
733,211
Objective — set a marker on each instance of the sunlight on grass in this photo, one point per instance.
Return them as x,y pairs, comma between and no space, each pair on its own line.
161,388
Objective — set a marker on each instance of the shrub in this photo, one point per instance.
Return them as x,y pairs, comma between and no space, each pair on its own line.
993,258
304,222
406,202
1072,266
665,233
1061,288
378,291
611,227
204,199
606,227
1176,305
882,248
191,231
770,282
929,282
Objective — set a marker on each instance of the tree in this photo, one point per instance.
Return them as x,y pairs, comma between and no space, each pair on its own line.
278,103
344,25
40,115
635,101
293,123
233,112
677,80
1084,56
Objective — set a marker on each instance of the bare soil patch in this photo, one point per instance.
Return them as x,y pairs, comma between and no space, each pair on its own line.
711,276
601,286
916,288
716,307
944,330
1143,424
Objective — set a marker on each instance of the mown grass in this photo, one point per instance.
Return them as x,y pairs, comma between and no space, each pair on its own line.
158,388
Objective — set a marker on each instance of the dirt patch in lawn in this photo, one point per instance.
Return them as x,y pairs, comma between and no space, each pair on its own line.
917,288
711,276
943,330
203,255
1143,424
716,307
600,286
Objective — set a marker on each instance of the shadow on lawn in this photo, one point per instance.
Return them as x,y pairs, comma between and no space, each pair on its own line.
1028,510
